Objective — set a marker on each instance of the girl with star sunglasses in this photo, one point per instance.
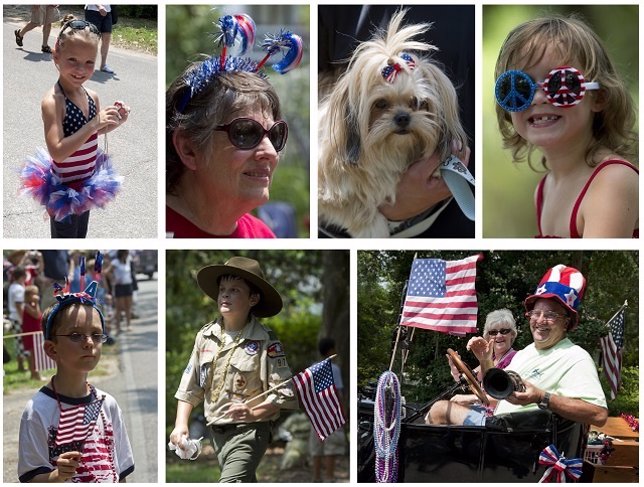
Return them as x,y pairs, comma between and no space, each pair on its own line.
558,92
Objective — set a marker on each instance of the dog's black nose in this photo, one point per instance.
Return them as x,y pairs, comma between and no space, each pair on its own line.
402,119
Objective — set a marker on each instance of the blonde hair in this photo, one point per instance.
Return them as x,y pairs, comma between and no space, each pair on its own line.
525,46
69,33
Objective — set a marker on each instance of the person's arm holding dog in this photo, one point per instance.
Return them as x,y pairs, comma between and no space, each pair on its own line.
420,189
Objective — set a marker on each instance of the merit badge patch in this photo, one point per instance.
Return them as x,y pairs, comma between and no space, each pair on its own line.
275,350
252,347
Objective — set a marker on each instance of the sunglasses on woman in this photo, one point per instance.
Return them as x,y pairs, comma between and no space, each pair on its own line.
246,133
502,331
79,25
564,86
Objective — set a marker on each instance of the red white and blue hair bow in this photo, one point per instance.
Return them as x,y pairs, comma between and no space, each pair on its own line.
391,70
559,467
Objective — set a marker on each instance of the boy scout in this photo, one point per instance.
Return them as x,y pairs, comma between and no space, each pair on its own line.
235,364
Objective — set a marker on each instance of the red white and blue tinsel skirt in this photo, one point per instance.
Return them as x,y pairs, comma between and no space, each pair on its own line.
60,201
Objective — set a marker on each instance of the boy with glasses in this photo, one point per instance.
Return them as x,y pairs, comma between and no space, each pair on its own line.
558,375
70,430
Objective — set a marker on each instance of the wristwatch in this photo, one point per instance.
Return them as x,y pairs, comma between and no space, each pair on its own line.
545,401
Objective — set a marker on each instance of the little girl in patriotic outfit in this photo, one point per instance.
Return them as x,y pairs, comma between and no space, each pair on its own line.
73,175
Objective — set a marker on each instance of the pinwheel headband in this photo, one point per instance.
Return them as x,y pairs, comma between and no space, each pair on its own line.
65,298
237,38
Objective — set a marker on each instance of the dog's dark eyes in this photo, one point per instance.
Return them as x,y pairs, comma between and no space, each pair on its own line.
381,104
424,105
413,103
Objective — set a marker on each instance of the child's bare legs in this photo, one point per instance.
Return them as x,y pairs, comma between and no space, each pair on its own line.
123,305
329,466
317,468
106,37
35,375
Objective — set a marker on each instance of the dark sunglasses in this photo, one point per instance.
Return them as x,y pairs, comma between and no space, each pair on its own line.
564,86
246,133
79,25
502,331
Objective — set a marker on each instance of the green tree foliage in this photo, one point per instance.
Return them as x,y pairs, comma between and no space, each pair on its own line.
138,11
191,32
504,279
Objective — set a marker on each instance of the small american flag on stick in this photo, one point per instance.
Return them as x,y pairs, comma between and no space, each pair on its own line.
319,397
76,423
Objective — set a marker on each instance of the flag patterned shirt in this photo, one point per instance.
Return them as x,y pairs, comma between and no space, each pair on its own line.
93,425
82,163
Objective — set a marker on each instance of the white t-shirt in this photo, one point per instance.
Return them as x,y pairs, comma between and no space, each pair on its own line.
16,294
565,369
122,272
106,452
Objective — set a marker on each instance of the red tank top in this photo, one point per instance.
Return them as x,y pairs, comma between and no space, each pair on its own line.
575,210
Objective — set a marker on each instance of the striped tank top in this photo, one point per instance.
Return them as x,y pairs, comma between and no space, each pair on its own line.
82,163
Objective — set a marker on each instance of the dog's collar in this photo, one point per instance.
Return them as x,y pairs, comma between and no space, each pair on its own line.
418,224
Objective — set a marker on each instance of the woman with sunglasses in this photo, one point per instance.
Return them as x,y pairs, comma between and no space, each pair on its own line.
74,176
558,91
494,348
221,152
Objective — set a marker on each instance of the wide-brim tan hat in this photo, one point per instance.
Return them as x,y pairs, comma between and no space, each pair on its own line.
270,302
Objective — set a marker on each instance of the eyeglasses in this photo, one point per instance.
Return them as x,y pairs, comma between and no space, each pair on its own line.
80,337
246,133
547,316
502,331
79,25
564,86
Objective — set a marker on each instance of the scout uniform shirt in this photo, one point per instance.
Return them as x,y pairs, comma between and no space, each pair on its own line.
258,362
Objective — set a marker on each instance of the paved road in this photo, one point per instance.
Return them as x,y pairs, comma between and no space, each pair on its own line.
28,74
134,385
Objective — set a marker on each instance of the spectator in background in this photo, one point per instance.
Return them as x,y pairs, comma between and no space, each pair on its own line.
40,15
334,445
16,299
121,273
31,323
101,15
55,269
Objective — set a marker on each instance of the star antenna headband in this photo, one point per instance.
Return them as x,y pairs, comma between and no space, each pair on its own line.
564,86
65,298
236,39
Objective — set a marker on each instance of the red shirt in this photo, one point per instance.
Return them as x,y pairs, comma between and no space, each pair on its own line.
248,226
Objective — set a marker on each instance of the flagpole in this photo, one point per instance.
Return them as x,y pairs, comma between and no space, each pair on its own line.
403,358
281,384
625,305
393,353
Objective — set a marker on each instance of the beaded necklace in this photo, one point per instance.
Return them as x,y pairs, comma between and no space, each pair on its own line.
215,393
386,426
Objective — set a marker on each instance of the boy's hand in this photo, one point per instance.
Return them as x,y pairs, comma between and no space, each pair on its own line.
67,464
177,435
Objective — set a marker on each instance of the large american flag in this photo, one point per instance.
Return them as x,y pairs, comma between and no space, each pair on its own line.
320,398
441,295
77,422
612,345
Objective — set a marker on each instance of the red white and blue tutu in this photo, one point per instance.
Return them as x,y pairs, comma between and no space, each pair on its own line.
59,199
